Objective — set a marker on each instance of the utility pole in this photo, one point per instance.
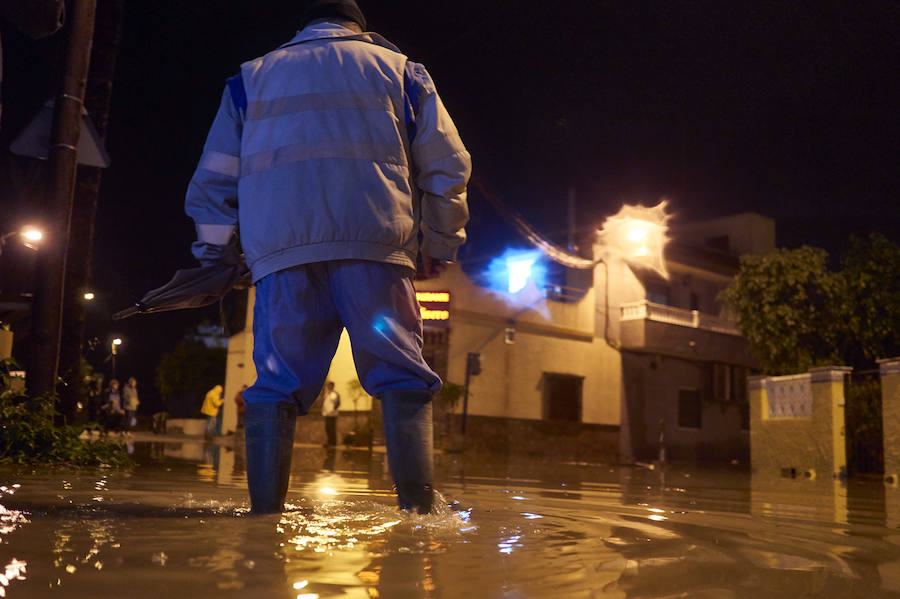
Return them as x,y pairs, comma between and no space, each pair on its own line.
51,266
98,99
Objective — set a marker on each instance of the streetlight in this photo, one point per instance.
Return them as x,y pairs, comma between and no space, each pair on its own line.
31,237
114,346
89,296
638,234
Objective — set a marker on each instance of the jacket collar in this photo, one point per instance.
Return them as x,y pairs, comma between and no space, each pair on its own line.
321,31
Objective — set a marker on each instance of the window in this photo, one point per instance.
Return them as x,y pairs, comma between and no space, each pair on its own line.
562,397
690,409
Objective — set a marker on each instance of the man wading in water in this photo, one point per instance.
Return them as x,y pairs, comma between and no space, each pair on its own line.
332,153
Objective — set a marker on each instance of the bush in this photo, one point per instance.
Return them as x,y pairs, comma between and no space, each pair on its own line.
28,434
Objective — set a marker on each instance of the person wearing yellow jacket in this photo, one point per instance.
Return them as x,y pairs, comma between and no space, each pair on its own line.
211,404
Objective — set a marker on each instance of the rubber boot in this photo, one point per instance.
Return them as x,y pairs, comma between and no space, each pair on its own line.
270,443
408,436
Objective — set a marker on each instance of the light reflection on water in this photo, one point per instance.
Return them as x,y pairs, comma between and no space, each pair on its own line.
178,524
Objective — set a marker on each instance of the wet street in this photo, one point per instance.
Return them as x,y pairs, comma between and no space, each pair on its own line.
177,526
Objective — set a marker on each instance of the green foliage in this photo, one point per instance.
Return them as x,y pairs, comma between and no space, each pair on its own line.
798,314
787,309
28,434
191,369
871,277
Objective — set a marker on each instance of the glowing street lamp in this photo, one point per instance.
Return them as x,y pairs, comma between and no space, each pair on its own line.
31,237
114,346
89,297
638,234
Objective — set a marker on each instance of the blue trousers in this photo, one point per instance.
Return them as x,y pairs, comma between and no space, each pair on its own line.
297,322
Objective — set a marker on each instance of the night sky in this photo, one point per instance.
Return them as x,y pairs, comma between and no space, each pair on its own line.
789,109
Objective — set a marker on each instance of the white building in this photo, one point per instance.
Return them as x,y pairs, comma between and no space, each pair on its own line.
625,366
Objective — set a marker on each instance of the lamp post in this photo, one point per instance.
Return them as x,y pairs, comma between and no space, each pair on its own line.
114,346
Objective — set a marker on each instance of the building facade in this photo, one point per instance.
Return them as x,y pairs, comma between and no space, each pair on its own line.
622,364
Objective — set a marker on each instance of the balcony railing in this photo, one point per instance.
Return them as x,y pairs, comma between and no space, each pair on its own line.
644,310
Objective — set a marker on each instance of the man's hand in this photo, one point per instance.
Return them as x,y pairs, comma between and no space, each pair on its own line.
432,266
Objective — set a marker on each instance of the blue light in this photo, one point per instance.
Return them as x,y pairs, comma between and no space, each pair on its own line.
512,271
519,272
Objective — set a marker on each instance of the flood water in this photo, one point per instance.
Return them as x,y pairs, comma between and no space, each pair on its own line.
177,526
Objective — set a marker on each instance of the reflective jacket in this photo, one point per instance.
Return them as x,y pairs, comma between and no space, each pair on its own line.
344,148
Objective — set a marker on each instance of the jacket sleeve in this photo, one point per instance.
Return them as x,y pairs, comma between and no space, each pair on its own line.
211,199
442,167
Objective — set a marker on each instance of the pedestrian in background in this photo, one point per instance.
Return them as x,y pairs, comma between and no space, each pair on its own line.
130,395
211,405
112,413
239,406
331,402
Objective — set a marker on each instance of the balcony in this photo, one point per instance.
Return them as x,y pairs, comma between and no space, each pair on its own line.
644,310
657,328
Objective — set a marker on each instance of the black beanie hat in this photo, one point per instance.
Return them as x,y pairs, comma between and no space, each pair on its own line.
342,9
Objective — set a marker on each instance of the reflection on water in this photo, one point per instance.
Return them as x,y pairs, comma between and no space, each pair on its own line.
178,525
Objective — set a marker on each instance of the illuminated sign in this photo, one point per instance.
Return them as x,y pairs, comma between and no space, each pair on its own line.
434,307
433,296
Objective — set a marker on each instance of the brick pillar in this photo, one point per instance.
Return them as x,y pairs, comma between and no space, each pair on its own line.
890,410
828,409
797,447
810,444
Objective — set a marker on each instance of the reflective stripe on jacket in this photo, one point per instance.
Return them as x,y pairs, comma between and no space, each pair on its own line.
344,149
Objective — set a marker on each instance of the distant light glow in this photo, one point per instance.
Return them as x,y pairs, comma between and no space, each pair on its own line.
300,585
32,234
531,516
117,341
89,296
639,235
327,491
515,270
519,271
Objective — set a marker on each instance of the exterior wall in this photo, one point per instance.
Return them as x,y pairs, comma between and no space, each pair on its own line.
890,406
747,233
890,409
547,439
652,384
239,367
240,370
551,337
343,373
811,446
